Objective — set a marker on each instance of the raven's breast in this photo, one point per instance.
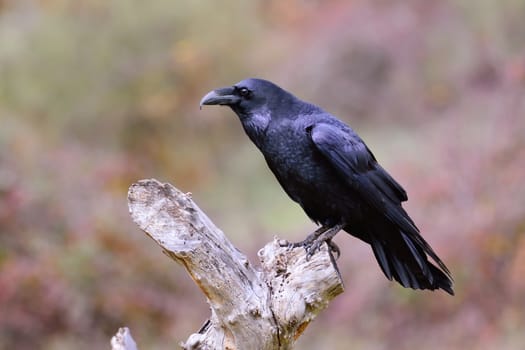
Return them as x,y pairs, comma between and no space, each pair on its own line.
308,178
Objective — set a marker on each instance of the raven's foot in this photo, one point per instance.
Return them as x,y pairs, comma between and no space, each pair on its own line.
311,238
334,248
314,241
307,241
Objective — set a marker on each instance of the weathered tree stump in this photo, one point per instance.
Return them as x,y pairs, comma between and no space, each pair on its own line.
251,308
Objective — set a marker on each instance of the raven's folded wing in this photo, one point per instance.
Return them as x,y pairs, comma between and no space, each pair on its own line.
358,166
352,159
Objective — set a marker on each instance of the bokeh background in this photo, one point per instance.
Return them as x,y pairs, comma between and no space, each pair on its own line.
96,94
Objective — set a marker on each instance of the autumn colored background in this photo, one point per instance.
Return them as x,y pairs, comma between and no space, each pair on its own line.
96,94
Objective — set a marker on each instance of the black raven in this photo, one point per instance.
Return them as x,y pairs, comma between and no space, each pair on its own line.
323,165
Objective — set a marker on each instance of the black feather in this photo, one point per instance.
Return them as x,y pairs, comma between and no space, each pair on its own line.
323,165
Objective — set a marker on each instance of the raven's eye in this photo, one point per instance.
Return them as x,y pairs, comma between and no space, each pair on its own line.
244,92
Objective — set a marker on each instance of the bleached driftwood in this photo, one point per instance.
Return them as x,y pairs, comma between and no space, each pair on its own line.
123,340
265,308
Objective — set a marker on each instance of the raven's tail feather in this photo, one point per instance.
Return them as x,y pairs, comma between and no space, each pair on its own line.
406,262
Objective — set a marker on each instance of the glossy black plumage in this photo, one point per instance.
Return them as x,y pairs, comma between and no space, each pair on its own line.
326,168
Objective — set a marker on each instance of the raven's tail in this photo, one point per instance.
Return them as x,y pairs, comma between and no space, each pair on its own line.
403,257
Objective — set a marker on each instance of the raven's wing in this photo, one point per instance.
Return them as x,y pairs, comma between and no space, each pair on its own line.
356,163
352,159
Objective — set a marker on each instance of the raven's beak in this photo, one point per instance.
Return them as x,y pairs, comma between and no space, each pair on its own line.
222,96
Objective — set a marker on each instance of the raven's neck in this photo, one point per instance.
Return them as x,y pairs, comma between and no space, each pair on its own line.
255,126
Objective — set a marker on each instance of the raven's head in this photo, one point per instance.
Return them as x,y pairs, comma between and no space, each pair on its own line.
250,97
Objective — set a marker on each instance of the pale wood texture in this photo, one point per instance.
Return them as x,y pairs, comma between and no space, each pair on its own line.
251,308
123,340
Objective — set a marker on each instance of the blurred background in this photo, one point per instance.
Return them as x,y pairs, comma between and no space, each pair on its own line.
96,94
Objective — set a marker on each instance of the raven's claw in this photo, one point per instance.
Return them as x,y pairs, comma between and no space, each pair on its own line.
333,248
313,242
312,248
315,246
